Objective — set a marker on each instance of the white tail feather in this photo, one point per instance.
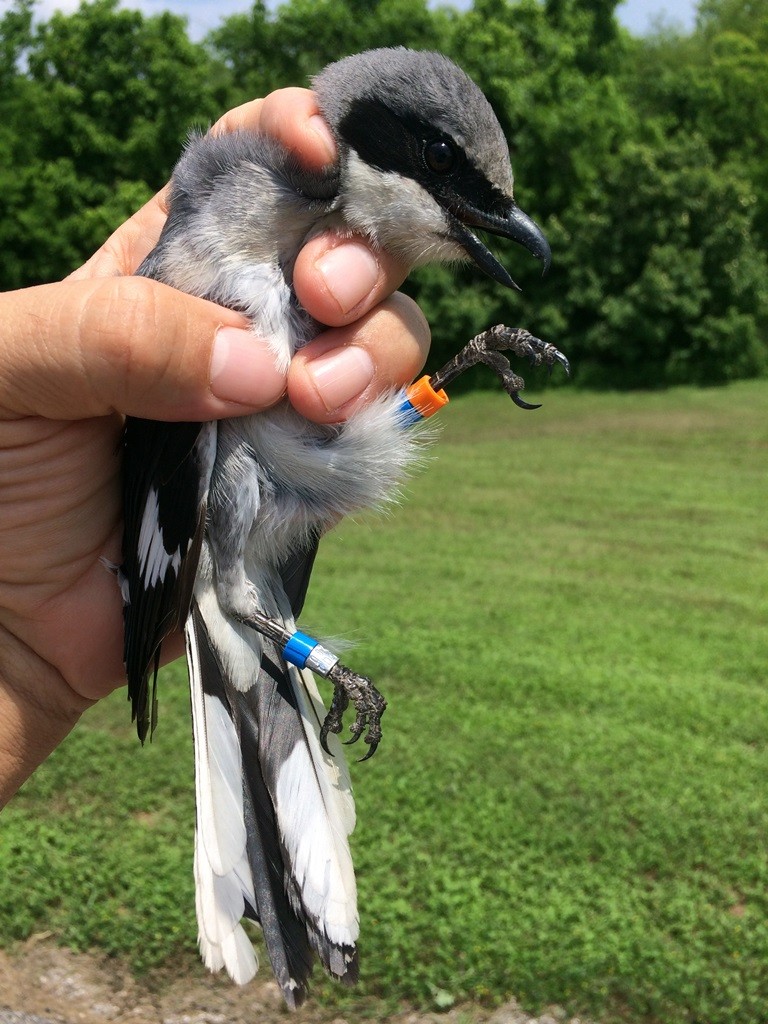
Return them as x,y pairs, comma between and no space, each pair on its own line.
315,813
313,711
239,957
222,875
223,832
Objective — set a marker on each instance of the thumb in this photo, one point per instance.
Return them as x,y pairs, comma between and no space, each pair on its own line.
84,348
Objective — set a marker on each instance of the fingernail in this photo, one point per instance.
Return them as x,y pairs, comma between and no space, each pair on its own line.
350,272
341,375
243,370
320,128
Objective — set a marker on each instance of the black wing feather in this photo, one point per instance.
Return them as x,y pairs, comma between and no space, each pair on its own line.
295,572
165,478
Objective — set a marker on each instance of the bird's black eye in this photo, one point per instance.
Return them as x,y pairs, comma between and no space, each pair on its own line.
440,156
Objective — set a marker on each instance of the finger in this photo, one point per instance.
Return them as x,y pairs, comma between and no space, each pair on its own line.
347,366
291,116
86,348
339,279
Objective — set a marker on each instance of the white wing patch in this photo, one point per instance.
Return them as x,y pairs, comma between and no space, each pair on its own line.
154,559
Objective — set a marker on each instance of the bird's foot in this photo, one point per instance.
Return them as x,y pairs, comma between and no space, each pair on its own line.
369,704
487,348
348,687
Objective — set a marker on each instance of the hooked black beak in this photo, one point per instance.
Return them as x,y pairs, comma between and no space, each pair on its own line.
514,224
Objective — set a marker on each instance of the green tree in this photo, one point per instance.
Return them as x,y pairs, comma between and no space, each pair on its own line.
122,90
15,40
636,157
265,49
713,83
93,119
643,159
664,279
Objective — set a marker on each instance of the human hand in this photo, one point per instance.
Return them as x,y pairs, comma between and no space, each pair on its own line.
79,355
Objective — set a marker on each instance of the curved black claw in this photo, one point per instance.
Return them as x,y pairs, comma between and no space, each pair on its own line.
563,362
369,704
521,404
371,752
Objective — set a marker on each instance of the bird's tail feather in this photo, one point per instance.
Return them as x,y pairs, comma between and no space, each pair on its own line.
273,814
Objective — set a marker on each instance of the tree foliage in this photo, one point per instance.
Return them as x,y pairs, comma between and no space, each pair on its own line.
643,159
96,108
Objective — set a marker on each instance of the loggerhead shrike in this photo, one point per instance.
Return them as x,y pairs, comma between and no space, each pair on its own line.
222,519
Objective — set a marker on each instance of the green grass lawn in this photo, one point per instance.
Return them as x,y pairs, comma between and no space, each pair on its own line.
569,618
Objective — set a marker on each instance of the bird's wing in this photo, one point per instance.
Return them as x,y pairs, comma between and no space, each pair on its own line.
166,473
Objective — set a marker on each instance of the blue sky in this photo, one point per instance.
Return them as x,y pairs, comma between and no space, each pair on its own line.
637,15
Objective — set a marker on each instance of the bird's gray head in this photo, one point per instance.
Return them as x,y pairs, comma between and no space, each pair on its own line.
423,158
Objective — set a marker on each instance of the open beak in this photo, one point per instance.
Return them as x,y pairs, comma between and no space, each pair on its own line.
514,224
